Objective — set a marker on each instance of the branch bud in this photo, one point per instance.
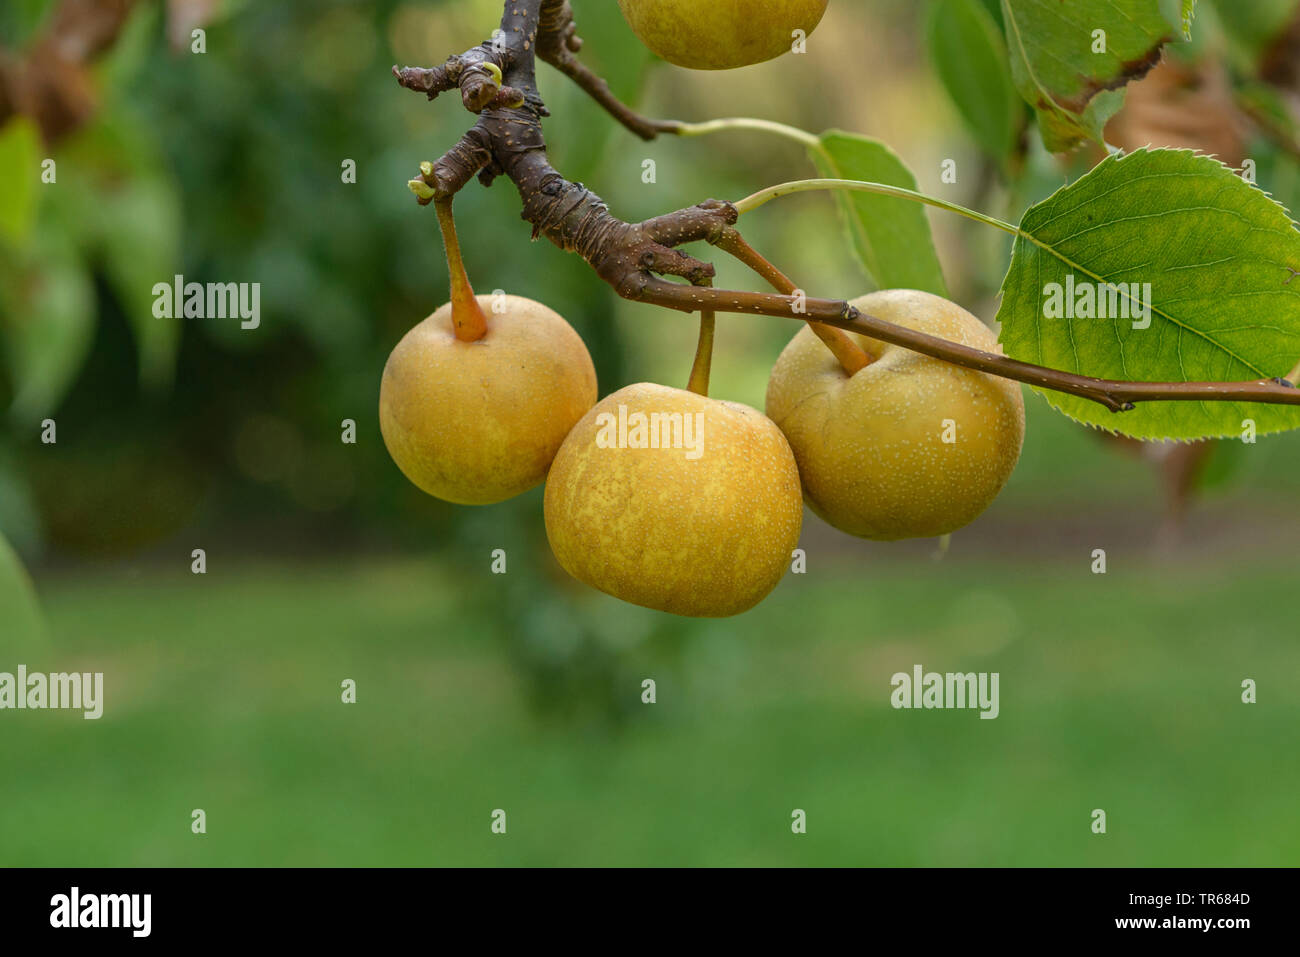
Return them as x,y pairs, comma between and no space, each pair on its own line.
422,190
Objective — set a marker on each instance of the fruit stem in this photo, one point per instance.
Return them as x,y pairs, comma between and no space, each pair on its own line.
751,203
850,355
749,123
699,381
815,145
467,316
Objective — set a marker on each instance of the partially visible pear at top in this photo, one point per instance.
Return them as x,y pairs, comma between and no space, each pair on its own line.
721,34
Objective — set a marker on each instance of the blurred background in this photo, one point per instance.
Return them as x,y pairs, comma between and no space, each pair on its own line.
523,691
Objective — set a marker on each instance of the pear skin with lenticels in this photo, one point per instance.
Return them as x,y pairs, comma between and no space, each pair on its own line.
672,500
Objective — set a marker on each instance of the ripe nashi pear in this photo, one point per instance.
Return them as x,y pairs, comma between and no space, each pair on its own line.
479,422
871,447
703,524
721,34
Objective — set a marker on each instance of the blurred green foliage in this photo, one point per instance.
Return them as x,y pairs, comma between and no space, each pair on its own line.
228,166
969,54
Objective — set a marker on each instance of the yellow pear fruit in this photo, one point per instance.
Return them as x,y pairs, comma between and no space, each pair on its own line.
479,422
675,501
721,34
909,446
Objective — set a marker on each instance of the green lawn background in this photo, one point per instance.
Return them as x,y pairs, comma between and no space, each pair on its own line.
223,694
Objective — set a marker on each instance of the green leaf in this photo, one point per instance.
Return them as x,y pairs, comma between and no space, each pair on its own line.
994,9
47,324
1220,258
140,246
971,59
891,236
126,216
1059,66
20,145
21,622
20,518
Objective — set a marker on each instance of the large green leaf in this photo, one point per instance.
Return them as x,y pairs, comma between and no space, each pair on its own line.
20,173
971,59
891,236
21,622
1220,257
1073,89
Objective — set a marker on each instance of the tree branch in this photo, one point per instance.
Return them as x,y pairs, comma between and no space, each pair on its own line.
633,258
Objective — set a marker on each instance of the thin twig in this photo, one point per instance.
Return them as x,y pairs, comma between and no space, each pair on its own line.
764,196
